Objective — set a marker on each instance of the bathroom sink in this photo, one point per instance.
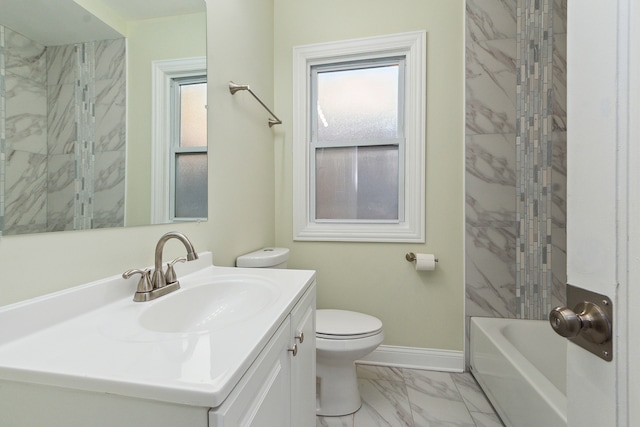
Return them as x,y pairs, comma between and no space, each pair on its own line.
190,347
210,306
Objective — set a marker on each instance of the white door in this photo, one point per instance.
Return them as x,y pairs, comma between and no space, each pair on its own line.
603,201
629,374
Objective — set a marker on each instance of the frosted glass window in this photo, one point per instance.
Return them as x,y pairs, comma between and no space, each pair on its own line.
357,183
358,103
193,115
357,140
191,186
188,199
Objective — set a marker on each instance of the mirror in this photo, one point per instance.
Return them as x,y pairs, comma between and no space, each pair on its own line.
78,147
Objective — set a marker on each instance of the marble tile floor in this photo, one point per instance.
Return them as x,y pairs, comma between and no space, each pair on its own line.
398,397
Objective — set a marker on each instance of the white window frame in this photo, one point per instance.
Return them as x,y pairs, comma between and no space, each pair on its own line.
162,74
411,228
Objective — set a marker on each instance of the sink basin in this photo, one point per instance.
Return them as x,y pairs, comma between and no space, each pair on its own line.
210,306
189,348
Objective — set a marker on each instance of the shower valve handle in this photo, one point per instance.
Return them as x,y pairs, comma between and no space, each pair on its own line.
586,319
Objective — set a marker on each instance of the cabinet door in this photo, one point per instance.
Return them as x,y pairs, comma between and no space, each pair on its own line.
303,365
263,397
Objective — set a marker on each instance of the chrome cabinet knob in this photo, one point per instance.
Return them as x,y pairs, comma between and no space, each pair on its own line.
586,319
294,350
300,337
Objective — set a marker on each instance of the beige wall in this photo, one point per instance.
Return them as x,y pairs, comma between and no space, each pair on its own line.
418,309
241,202
147,41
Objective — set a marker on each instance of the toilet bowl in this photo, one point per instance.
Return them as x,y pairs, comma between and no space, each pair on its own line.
342,337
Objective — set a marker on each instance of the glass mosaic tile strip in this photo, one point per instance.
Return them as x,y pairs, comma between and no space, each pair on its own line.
534,108
85,120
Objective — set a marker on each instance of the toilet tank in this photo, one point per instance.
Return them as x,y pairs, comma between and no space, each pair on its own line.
264,258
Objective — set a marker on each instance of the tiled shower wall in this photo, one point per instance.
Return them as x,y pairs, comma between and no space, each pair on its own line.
500,172
64,134
2,126
86,133
25,133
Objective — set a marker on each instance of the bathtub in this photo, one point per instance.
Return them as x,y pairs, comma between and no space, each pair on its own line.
521,367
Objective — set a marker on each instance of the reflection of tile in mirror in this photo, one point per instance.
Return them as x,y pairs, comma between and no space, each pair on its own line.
61,123
26,109
110,59
61,192
60,65
108,197
25,192
24,57
109,127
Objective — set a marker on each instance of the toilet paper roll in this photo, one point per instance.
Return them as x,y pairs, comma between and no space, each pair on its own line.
425,262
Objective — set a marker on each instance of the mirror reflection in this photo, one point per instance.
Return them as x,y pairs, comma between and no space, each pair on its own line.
92,135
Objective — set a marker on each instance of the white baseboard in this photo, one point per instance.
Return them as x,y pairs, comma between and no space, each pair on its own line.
416,358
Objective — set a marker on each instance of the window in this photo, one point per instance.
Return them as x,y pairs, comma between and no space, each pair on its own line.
359,138
188,150
356,138
179,141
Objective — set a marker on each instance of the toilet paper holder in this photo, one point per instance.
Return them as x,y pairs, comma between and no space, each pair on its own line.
411,257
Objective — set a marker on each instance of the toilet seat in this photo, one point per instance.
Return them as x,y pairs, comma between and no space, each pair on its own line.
346,325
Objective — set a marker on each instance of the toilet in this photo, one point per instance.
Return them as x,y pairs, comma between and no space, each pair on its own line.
342,337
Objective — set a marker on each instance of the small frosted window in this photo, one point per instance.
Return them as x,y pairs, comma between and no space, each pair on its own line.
357,183
358,104
191,186
193,115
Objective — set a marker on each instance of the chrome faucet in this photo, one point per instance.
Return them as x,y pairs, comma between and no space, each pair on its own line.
161,283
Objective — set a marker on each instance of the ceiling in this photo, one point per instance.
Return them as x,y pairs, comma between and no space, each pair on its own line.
46,21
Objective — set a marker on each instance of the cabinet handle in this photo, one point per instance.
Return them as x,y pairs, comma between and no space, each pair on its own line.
300,337
294,350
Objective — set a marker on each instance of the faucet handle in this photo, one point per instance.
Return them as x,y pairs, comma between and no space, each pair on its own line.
144,284
170,275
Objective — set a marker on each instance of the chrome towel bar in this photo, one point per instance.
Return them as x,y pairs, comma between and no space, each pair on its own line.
234,87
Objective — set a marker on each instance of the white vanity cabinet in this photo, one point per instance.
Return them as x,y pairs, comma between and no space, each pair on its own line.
303,365
263,397
217,353
279,388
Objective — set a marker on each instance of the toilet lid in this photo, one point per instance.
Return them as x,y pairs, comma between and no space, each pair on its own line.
342,324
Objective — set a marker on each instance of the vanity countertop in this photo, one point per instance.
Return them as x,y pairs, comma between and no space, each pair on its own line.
95,338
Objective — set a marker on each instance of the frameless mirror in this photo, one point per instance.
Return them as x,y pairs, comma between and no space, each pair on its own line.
102,113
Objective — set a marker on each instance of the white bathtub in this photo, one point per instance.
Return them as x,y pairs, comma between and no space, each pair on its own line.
521,366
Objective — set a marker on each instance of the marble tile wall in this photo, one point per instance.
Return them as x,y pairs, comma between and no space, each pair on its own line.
110,133
492,167
62,130
2,126
87,131
559,156
62,136
490,157
25,124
